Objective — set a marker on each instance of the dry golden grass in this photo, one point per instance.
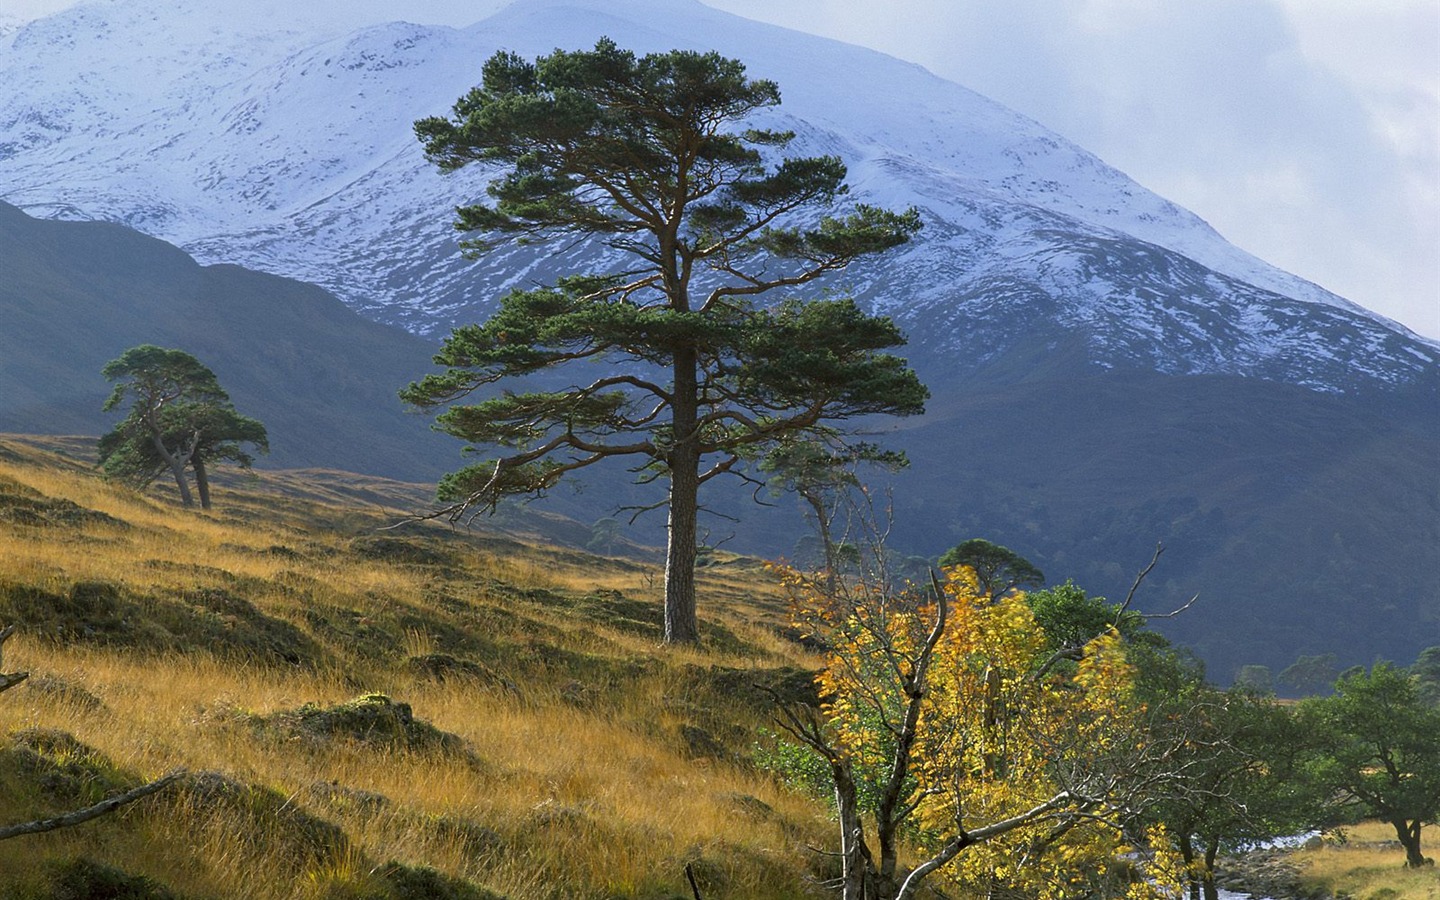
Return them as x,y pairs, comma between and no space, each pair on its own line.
1369,865
576,781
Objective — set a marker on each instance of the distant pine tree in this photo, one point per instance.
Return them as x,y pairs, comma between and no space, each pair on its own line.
179,418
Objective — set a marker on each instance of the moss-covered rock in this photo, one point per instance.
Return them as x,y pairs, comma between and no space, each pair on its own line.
23,505
749,806
90,611
614,610
403,882
345,799
550,815
228,623
370,719
414,552
758,689
59,690
472,838
697,743
213,620
442,667
355,632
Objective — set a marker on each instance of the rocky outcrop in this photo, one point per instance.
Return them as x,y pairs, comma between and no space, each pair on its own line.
1266,873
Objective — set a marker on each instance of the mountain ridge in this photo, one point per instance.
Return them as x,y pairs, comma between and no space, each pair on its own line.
1282,506
368,220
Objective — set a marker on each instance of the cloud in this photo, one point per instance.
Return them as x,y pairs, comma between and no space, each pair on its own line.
1303,130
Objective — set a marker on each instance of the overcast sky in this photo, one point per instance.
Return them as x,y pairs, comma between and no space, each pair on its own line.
1305,131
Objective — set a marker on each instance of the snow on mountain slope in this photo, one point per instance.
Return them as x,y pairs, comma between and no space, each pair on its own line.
276,137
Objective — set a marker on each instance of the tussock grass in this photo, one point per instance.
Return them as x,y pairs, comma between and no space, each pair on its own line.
163,638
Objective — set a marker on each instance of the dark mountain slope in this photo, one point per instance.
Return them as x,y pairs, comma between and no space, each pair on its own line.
1307,522
323,380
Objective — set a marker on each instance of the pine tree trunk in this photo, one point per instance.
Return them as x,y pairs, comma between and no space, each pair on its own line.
681,626
177,468
202,480
827,540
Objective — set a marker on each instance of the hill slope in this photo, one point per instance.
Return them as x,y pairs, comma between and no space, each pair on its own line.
283,143
322,379
1307,523
389,715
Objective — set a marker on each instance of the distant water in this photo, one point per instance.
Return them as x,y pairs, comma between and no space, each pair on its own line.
1289,842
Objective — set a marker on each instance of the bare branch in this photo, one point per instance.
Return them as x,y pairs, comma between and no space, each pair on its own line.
970,838
631,380
1159,549
10,679
725,467
91,812
1173,613
754,286
638,511
1074,654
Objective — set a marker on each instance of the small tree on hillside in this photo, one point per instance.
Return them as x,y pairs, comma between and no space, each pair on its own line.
179,418
1310,674
1243,759
639,152
604,534
1426,673
821,474
999,569
1255,677
1071,617
946,736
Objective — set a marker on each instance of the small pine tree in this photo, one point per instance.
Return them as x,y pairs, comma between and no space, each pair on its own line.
179,418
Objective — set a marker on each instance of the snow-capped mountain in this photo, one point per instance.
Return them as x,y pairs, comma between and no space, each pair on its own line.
272,136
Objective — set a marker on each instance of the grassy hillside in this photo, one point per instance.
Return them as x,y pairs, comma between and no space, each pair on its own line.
374,714
408,714
1365,861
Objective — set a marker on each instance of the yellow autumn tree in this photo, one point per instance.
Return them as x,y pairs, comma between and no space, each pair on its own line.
959,747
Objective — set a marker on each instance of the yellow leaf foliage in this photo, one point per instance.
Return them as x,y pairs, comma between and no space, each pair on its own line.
995,737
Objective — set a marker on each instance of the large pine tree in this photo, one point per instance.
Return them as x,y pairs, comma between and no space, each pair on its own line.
643,154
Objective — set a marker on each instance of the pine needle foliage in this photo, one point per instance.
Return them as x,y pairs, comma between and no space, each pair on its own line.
648,156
